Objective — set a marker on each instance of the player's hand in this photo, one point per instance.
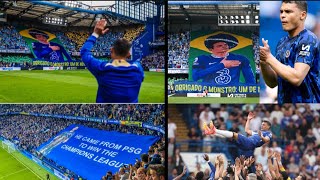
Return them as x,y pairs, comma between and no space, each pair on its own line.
237,168
251,115
242,158
99,28
206,157
264,51
259,133
230,63
54,48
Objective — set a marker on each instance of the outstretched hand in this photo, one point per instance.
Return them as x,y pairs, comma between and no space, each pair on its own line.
99,28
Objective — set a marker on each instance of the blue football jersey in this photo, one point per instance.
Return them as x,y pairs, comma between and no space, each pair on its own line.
210,69
303,48
42,51
119,82
256,139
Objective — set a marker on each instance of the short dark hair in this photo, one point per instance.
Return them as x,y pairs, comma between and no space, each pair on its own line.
199,175
265,121
302,5
121,47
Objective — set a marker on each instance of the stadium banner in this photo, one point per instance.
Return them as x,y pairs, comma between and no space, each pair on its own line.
10,68
200,87
156,70
101,120
57,64
177,71
90,153
240,44
44,45
131,123
60,175
52,68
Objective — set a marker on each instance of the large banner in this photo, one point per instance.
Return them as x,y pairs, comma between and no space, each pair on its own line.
220,62
91,152
46,48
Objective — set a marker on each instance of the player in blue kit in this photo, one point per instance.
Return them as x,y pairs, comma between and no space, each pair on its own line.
295,68
254,139
222,67
119,80
50,51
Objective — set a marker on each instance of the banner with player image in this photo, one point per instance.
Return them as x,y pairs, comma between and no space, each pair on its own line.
221,58
46,48
90,153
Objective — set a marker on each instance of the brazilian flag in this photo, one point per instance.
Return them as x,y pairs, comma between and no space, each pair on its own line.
197,47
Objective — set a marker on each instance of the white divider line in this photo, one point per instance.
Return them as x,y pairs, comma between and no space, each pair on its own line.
13,173
26,166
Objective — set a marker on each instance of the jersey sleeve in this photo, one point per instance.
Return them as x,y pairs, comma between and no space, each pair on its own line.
306,50
39,51
247,70
94,65
200,70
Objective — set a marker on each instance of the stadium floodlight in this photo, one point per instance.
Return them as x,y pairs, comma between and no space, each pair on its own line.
232,21
256,17
242,21
257,21
242,17
237,17
247,17
231,17
237,22
227,22
221,21
248,21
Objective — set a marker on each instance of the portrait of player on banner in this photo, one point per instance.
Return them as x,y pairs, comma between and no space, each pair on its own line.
46,50
222,67
295,66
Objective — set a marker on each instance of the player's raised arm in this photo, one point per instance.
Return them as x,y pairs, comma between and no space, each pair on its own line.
269,75
247,128
92,63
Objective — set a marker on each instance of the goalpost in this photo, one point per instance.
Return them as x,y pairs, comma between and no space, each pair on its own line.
8,146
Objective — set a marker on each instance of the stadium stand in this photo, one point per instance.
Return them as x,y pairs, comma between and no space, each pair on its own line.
29,132
178,50
11,39
155,60
295,128
132,32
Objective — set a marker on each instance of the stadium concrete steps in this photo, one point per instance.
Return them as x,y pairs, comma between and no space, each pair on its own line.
182,128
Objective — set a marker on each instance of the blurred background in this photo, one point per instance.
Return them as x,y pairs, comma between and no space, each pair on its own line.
271,30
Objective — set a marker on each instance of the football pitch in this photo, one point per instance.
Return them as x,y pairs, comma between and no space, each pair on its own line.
15,166
67,86
221,100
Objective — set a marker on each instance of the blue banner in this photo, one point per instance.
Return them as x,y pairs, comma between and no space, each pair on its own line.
199,87
91,153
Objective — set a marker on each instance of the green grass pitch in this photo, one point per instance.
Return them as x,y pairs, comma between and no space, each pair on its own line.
67,86
203,100
15,166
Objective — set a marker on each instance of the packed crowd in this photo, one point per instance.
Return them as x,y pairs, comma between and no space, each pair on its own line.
155,61
11,39
178,50
132,32
29,132
152,114
151,165
295,129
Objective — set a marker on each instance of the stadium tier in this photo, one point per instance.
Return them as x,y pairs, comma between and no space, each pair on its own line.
294,144
86,141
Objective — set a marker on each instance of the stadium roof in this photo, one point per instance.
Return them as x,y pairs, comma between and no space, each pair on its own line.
79,14
201,10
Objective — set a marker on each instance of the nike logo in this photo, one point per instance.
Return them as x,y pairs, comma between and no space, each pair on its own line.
212,63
